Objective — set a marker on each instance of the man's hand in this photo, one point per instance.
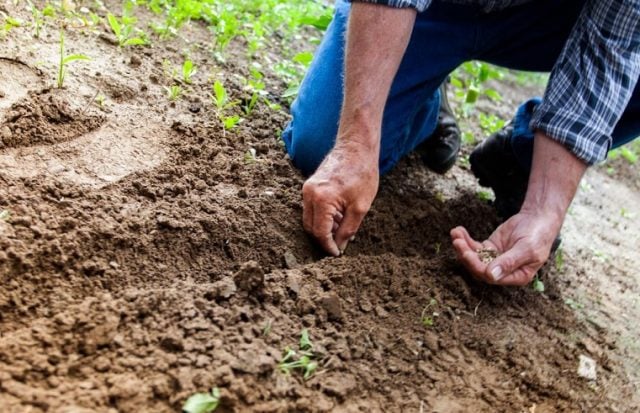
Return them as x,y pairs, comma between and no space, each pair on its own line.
522,243
338,196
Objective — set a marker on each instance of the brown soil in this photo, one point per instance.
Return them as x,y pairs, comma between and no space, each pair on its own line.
150,258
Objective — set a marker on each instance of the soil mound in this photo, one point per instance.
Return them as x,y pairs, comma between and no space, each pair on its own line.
44,117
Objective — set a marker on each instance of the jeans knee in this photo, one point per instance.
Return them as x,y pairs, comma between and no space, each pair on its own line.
307,145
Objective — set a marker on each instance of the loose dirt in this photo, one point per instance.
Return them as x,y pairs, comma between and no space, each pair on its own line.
147,257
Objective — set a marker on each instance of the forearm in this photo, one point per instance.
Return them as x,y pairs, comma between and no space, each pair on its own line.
554,179
377,38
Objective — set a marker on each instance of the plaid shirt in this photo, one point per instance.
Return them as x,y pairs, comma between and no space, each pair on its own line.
593,78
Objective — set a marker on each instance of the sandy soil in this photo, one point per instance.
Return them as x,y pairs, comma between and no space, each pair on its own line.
146,257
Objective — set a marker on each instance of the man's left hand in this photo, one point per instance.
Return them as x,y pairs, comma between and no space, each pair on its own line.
523,244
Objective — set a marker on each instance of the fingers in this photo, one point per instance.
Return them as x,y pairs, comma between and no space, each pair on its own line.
516,266
349,226
322,228
462,233
467,251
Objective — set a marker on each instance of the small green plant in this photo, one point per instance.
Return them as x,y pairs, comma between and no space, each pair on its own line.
428,316
230,122
65,60
125,32
7,23
559,259
220,97
574,305
5,215
628,155
490,123
173,92
101,100
537,285
302,360
484,195
266,330
188,71
202,402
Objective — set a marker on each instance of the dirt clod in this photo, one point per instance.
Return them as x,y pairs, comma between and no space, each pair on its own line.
249,277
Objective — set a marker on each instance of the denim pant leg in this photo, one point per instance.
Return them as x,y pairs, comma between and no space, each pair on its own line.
531,37
437,46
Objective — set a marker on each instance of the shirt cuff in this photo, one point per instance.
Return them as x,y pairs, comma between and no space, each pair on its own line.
581,138
419,5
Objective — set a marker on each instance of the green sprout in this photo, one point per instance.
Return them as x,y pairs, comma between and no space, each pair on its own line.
484,196
188,71
202,402
302,360
426,319
537,285
124,31
230,122
559,259
220,97
65,60
173,92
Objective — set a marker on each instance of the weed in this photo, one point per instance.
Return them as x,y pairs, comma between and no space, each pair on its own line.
202,402
65,60
188,71
429,319
220,97
125,32
490,123
7,23
302,360
574,305
230,122
537,285
559,259
100,100
173,92
267,327
485,196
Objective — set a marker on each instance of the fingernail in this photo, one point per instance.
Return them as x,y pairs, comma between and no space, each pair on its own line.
353,238
496,273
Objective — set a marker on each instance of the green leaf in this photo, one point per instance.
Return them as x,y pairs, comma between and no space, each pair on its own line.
74,57
303,58
493,95
220,94
537,285
115,25
629,155
472,95
202,402
4,215
231,121
305,341
320,22
134,41
291,92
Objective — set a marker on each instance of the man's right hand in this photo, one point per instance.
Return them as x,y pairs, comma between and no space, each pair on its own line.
339,194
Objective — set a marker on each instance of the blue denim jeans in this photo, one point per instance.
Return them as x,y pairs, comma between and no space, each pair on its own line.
527,37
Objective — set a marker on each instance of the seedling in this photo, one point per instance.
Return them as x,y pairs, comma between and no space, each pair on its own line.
559,260
188,71
100,100
220,97
8,23
65,60
230,122
537,285
484,195
125,33
202,402
427,317
267,327
302,360
173,92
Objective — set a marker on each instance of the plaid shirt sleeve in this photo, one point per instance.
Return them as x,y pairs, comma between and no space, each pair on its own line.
593,79
419,5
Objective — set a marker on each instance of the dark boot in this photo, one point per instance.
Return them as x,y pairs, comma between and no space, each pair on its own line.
495,165
440,151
